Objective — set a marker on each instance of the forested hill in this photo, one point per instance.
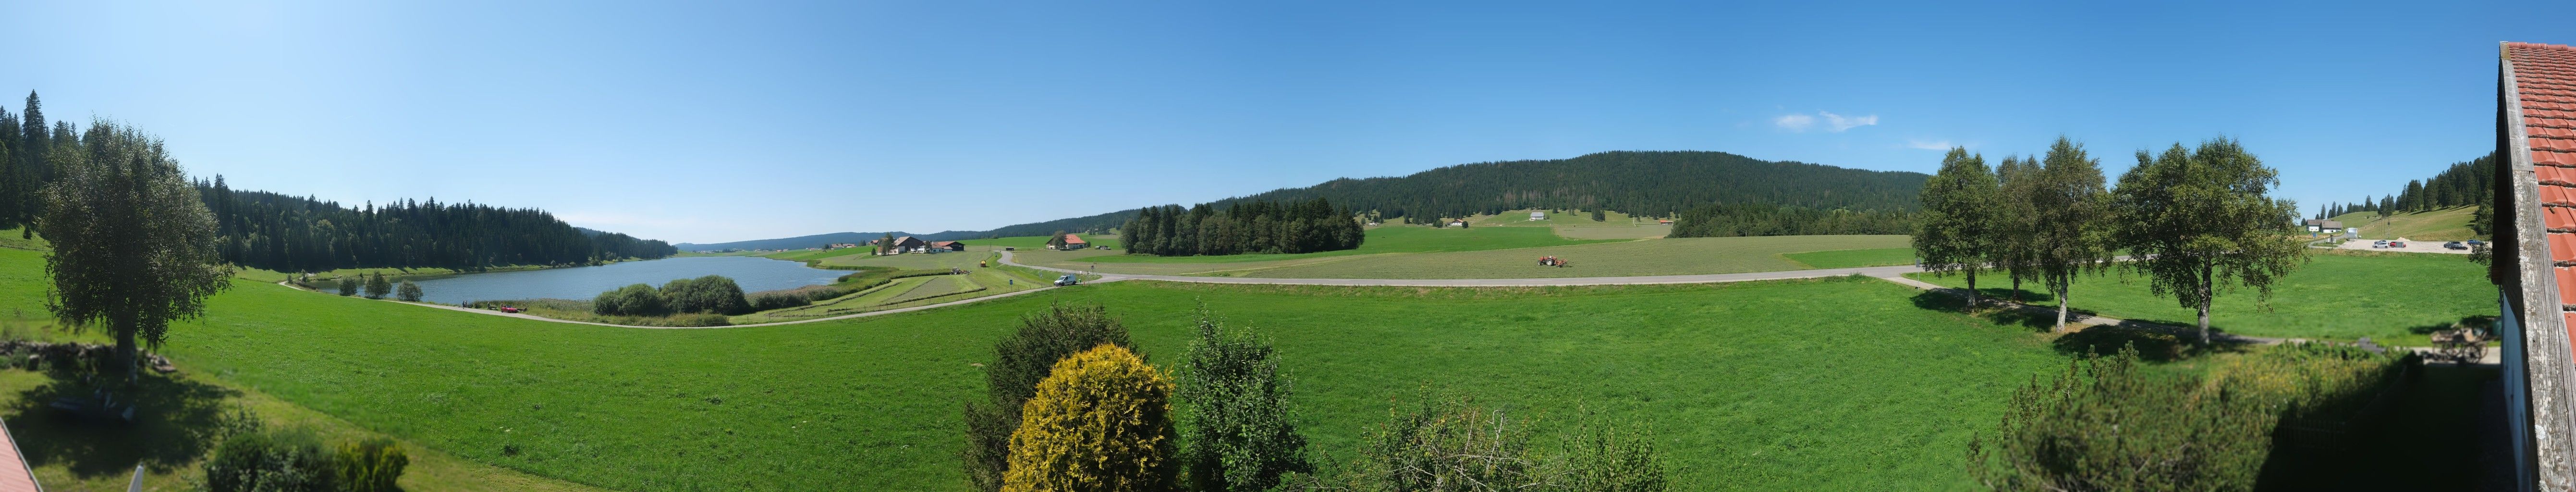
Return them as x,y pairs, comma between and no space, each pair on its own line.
298,234
1645,183
798,242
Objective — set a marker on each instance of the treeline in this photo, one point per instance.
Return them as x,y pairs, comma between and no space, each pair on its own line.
27,143
1244,227
2462,184
1657,184
300,234
1759,219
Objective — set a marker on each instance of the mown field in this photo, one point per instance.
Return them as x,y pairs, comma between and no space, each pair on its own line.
1673,256
1641,231
1850,258
2449,224
2394,298
1035,242
1568,218
1382,240
1869,391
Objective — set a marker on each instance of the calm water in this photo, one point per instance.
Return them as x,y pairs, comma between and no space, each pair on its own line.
755,274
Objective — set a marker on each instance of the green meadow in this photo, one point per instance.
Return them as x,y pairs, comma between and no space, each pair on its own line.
1675,256
2394,298
1868,391
1849,258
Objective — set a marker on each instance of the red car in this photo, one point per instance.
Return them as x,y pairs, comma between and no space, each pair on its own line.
507,309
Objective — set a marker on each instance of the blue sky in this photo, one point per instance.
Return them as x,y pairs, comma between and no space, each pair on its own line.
704,123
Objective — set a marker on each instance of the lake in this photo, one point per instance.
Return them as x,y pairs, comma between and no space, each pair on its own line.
754,274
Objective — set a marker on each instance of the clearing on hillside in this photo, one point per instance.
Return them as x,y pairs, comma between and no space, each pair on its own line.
2448,224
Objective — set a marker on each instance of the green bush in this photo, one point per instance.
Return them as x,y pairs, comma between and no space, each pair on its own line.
632,300
270,461
377,286
1101,421
1021,361
408,292
2102,425
370,466
348,286
1241,438
713,294
1456,444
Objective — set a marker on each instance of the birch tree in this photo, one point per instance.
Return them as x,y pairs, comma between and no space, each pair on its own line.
2199,222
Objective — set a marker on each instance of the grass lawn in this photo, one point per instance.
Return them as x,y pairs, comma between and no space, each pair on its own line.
1676,256
2394,298
1849,258
1866,391
1036,242
1382,240
1640,231
2449,224
1568,218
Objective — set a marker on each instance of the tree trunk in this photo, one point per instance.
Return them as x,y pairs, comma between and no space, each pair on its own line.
2016,289
2061,310
1972,290
2206,292
125,350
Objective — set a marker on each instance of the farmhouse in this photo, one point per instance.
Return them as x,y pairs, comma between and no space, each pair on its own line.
949,245
1073,242
908,244
2326,226
2537,205
1538,215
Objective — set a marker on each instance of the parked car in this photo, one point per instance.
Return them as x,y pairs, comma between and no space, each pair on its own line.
2474,242
2397,244
2455,245
2379,244
507,309
1067,279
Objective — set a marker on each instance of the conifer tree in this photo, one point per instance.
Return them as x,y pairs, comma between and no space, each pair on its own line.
1100,421
1241,438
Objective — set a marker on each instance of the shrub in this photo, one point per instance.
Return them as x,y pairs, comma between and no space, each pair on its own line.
2104,426
348,286
632,300
1021,361
370,466
709,294
1101,421
1449,444
408,292
377,287
1241,438
270,462
1613,457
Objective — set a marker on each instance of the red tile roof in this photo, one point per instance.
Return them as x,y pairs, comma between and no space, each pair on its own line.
14,476
2544,84
1073,239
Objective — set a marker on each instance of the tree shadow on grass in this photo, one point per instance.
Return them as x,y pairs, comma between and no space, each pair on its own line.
175,421
2035,320
2154,343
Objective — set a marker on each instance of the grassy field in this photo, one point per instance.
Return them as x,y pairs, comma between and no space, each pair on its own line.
1640,231
1567,218
2449,224
1036,242
816,254
1382,240
1680,256
872,403
2395,298
1849,258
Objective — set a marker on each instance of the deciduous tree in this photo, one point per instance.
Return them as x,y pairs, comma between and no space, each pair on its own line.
2198,222
2068,212
133,248
1958,228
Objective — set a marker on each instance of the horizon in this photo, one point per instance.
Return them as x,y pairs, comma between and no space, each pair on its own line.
611,118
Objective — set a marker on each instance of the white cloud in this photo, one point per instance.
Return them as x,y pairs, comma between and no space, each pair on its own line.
1841,123
1833,122
1795,122
1929,144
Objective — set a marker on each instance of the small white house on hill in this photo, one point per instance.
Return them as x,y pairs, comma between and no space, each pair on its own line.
1538,215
